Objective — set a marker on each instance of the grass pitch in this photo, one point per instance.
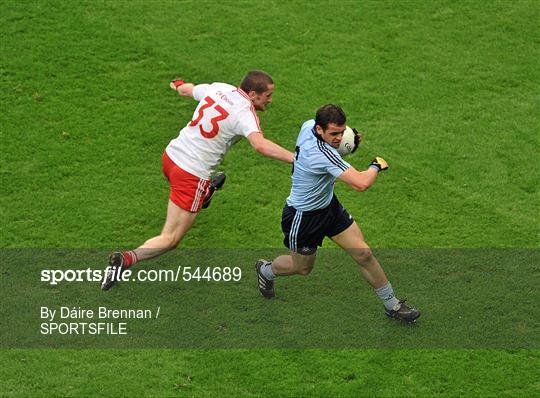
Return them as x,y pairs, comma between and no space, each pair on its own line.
446,91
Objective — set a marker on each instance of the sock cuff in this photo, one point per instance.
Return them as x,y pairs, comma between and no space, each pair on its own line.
130,258
385,287
267,271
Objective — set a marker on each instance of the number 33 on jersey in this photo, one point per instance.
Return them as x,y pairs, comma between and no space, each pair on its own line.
224,115
209,103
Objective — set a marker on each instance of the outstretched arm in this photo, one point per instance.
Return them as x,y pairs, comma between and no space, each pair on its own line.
362,180
269,149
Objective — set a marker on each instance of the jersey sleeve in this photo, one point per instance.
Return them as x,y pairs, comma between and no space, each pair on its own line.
329,161
247,122
200,90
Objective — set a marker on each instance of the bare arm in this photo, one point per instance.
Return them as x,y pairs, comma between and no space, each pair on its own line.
359,180
269,149
362,180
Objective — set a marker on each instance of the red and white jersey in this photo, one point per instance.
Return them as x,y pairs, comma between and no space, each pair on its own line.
224,115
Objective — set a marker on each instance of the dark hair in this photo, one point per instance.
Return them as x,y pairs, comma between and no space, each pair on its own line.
330,113
256,80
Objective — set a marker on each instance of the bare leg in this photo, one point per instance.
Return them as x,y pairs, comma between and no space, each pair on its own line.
293,264
352,241
177,224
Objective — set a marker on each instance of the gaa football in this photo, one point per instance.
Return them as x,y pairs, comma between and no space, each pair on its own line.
348,144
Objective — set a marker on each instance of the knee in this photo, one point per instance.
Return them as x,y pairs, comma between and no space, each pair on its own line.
172,240
304,271
363,256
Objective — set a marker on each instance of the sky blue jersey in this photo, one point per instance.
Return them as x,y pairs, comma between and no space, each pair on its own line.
317,165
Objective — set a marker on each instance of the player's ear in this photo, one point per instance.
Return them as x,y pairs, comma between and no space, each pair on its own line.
252,95
319,129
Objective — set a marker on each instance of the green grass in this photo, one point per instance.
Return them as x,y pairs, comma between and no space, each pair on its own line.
270,373
446,91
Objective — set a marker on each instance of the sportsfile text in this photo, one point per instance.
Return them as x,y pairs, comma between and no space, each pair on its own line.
180,274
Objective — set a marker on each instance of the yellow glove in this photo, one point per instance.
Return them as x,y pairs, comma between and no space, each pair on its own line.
379,164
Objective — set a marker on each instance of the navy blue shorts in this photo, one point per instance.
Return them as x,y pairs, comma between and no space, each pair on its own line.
305,230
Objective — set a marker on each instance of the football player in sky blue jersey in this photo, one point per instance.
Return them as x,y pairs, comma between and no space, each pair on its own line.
313,211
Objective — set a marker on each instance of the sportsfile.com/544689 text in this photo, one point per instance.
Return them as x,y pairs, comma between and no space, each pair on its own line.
180,274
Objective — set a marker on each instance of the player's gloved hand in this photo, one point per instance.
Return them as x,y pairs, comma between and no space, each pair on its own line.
176,83
378,164
357,139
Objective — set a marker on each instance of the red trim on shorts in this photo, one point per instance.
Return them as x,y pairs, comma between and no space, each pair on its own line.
187,190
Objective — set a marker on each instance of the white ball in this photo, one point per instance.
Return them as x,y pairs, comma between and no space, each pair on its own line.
347,142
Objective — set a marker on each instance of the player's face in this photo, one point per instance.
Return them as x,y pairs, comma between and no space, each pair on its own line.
261,100
333,134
